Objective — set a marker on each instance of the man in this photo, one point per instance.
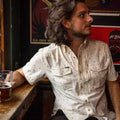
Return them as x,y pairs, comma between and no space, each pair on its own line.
77,67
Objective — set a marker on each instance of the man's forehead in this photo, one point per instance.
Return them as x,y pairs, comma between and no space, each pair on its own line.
81,7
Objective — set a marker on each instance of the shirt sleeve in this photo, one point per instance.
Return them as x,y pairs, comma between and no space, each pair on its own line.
112,73
34,70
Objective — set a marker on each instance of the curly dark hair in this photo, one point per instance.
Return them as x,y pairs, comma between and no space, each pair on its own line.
62,9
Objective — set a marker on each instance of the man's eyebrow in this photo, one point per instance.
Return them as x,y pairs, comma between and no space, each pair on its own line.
80,12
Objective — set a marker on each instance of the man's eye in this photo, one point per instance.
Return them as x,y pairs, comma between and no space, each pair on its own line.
81,15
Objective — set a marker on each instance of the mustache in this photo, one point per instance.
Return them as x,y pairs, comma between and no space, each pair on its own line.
88,25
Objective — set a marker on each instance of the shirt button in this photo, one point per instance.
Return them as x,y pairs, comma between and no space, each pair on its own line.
101,113
89,110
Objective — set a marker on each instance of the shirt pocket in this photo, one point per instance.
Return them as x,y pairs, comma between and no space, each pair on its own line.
98,73
61,71
98,67
62,77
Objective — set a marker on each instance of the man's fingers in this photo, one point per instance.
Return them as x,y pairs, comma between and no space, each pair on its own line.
13,83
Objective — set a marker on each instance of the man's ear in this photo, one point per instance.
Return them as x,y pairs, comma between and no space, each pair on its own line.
66,23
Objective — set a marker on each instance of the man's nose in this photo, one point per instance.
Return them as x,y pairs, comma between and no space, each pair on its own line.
90,19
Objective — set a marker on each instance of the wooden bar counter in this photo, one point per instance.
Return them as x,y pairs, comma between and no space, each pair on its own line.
16,108
29,102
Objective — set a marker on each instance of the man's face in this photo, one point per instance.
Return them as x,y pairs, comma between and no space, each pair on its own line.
81,21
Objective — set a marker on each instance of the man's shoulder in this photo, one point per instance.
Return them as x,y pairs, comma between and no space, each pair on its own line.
96,42
48,49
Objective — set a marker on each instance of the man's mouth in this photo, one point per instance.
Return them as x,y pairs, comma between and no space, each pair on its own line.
87,26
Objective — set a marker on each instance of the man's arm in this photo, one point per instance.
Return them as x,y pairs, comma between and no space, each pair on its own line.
114,90
18,78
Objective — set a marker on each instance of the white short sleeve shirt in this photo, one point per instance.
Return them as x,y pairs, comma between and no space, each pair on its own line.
78,82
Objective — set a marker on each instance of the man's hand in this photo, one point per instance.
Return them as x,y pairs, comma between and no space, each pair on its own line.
18,78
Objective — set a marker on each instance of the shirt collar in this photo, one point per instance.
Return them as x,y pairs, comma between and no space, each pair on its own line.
65,47
84,43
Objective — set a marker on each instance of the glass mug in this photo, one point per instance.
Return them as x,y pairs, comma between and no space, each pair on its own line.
5,87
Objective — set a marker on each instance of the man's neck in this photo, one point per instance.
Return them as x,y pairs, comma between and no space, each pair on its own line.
75,44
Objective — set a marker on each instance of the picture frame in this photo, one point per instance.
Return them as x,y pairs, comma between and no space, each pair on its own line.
38,19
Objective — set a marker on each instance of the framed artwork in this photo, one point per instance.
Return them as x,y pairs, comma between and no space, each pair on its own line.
38,17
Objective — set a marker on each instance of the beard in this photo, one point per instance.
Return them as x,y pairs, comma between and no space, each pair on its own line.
80,34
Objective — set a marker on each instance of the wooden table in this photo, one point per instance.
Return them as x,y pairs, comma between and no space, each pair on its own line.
16,108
